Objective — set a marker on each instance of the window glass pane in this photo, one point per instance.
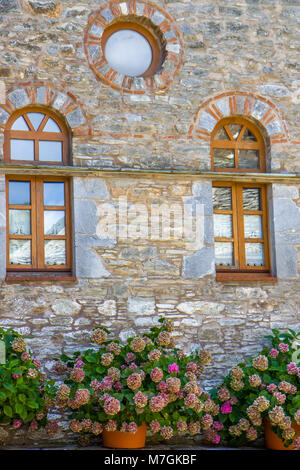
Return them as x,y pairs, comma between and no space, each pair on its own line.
249,159
222,198
252,199
50,151
19,193
55,252
248,136
19,222
51,126
221,134
54,223
20,125
20,252
223,158
36,119
253,226
223,225
255,254
235,130
54,194
224,253
21,149
128,52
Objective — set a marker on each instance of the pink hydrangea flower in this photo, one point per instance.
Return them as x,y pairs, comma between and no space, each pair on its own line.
226,408
16,376
173,368
17,423
218,426
79,363
292,368
283,347
216,439
274,353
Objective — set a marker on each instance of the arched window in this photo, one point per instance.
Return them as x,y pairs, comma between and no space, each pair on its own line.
36,135
240,209
237,145
38,207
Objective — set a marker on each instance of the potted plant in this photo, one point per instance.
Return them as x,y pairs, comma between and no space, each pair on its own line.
25,395
146,383
262,395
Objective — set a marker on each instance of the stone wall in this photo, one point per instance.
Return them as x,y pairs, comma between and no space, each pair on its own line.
151,149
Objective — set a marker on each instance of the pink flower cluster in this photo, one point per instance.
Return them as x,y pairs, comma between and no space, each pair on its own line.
226,408
173,384
134,381
111,406
140,399
138,344
77,375
82,396
284,348
156,374
173,368
158,402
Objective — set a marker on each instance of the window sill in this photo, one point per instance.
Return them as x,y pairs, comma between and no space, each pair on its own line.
245,277
39,277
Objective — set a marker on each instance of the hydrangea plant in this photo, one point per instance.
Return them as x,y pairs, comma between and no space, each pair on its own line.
267,387
25,394
118,386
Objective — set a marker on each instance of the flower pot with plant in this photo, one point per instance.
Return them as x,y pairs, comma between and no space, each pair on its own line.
146,382
262,395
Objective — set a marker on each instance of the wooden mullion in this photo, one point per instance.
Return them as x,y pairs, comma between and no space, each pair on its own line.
40,223
34,218
265,226
228,144
240,225
68,224
43,123
54,237
19,237
28,122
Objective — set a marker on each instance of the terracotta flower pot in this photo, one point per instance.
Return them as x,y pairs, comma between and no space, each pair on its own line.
273,442
125,440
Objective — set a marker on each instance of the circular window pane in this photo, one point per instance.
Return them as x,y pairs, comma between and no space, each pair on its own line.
128,52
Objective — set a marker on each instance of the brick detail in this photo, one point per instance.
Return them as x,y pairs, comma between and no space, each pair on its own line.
239,103
46,94
136,85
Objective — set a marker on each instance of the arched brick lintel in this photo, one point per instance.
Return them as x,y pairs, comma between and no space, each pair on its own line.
239,103
45,94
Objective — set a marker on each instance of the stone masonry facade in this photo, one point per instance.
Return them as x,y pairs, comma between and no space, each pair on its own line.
148,144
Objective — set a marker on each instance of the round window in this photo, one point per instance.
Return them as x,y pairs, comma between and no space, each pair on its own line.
132,49
128,52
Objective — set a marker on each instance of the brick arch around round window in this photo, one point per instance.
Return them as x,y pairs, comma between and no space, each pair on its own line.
239,103
45,94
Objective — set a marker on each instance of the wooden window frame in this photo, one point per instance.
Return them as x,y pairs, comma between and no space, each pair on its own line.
238,144
240,270
37,136
37,229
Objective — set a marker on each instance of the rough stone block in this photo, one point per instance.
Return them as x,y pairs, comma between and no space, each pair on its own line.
199,264
141,305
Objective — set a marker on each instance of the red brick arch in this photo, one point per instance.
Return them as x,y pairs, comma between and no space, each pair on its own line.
46,94
239,103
